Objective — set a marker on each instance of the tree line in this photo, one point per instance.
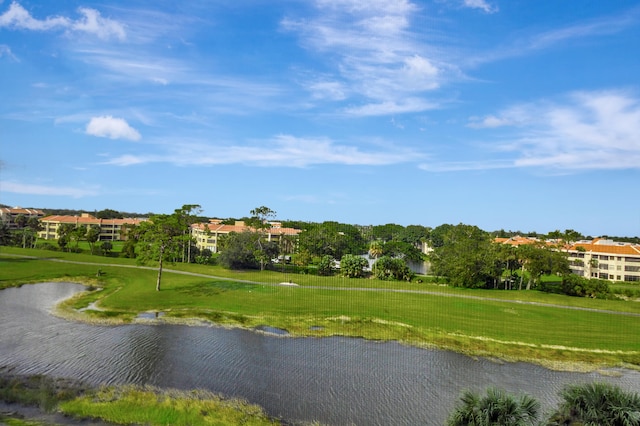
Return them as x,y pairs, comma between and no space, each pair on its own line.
461,255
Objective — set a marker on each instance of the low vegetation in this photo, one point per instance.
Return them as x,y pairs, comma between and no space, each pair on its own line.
126,404
596,403
551,329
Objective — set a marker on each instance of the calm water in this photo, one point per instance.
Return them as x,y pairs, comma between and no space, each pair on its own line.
338,381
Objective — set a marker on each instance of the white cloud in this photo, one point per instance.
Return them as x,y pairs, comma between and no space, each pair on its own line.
30,189
376,59
113,128
582,131
391,107
91,22
480,4
280,151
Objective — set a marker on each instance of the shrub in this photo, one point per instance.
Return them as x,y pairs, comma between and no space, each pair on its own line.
352,266
326,265
389,268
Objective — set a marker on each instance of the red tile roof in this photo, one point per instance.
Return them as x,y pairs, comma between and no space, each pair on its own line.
215,227
612,247
89,220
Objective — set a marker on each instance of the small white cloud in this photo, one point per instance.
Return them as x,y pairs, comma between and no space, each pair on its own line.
93,23
391,107
17,17
113,128
489,121
481,4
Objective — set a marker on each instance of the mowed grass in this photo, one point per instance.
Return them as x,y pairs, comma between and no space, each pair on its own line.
480,322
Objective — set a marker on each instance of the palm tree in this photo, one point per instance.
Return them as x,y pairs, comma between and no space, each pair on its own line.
376,249
497,408
597,403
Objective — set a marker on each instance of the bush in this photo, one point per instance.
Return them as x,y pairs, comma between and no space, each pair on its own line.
389,268
352,266
326,265
574,285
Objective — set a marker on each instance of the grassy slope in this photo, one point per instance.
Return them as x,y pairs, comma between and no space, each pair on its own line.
485,327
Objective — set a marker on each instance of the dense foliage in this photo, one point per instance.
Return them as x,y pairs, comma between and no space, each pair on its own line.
496,408
597,404
468,257
589,404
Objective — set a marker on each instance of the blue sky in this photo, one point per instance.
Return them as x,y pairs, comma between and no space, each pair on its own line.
522,115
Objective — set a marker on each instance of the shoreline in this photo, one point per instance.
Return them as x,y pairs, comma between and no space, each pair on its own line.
63,310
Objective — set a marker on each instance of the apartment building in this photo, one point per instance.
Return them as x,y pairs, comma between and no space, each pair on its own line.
597,258
8,215
208,235
605,259
110,229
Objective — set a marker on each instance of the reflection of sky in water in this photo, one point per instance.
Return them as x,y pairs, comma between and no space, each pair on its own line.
332,380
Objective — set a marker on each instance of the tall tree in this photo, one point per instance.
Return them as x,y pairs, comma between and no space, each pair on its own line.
538,260
34,225
465,257
92,235
64,234
238,250
5,234
259,221
163,236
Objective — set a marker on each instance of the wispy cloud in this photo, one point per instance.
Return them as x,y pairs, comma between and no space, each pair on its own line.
582,131
6,51
480,4
90,22
279,151
112,127
601,26
376,59
53,190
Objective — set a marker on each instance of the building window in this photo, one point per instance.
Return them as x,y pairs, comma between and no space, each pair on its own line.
630,268
632,278
604,276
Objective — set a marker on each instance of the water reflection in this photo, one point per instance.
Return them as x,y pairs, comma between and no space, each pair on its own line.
333,380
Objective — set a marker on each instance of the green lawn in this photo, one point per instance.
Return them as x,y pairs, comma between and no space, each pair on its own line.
500,325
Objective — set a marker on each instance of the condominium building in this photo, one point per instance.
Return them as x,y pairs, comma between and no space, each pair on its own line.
8,215
597,258
605,259
208,235
110,229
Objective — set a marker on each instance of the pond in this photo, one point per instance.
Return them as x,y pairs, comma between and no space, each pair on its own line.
336,381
